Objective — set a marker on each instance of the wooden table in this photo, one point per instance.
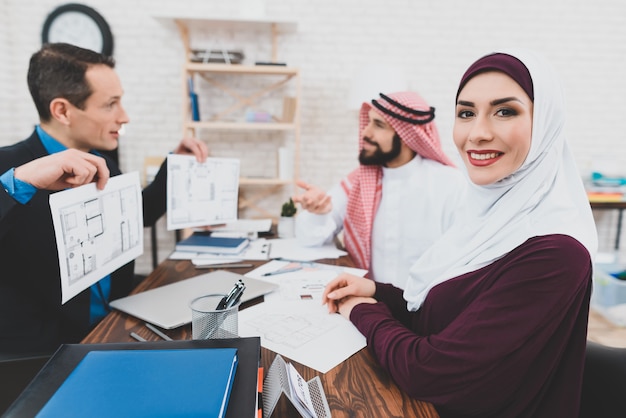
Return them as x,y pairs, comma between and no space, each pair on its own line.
358,387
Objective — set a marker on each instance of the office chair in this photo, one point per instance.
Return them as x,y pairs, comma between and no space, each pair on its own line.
16,372
604,382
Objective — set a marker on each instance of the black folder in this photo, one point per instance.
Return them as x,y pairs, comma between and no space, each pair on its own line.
243,397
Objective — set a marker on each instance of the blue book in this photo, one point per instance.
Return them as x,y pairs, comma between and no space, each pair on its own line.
201,242
133,383
193,101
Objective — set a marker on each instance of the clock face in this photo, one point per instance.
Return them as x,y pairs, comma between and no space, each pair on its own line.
77,29
78,25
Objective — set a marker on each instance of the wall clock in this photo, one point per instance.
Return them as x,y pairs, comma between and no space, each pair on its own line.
78,25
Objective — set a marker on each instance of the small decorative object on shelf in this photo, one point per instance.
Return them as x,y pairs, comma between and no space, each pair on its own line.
216,56
286,223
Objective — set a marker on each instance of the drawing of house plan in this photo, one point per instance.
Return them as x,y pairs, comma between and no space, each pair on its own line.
200,194
304,331
97,231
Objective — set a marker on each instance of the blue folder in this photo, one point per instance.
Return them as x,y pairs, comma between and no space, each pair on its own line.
136,383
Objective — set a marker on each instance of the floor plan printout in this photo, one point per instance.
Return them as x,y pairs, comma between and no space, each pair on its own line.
200,194
292,320
97,231
304,331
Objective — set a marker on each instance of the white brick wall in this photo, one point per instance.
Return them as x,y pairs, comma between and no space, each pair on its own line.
432,42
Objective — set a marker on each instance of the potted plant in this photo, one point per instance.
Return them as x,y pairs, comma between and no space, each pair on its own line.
286,223
289,209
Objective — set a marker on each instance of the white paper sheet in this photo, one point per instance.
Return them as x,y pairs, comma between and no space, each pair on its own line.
97,231
289,249
201,194
304,331
246,225
292,321
256,250
306,283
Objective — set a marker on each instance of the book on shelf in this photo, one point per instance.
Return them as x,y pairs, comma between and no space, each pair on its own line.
601,194
192,371
193,101
605,196
203,242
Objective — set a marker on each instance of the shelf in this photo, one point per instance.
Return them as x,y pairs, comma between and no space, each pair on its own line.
195,22
241,126
248,86
241,69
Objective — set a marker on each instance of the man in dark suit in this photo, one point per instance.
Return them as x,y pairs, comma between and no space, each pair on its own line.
78,97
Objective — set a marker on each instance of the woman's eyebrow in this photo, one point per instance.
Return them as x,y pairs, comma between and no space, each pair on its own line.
504,100
492,103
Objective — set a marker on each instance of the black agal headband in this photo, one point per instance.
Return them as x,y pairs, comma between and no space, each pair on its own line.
421,117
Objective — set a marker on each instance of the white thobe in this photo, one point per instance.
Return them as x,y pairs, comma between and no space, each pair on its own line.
417,205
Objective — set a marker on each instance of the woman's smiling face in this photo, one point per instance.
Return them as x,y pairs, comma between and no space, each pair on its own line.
493,126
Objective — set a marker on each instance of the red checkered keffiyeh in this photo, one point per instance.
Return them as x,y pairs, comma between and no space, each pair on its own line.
364,185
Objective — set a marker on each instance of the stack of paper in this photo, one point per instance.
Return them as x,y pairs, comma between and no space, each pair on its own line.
204,242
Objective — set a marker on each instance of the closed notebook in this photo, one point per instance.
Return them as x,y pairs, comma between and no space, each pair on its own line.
134,383
200,242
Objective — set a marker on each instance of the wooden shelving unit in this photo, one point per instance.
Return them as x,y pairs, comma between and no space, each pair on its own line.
268,79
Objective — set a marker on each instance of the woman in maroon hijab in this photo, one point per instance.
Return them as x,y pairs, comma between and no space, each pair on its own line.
493,321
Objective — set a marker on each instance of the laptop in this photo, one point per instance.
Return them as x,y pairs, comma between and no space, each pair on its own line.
168,306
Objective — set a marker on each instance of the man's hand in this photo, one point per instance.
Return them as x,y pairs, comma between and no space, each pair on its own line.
314,199
62,170
193,146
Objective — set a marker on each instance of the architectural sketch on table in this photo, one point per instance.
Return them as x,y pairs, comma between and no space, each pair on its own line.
201,194
291,330
304,331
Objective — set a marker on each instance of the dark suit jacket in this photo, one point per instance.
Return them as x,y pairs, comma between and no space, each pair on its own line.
32,318
7,203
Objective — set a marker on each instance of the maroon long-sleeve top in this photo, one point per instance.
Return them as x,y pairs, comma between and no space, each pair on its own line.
507,340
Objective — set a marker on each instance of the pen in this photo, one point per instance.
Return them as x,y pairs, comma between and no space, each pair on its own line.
224,266
157,332
137,337
281,271
233,296
236,297
227,302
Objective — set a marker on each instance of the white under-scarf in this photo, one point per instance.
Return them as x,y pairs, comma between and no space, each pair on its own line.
544,196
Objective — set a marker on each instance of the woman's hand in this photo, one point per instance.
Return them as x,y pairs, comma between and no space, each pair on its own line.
346,305
345,286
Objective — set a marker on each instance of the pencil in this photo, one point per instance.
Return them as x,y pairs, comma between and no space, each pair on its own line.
137,337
